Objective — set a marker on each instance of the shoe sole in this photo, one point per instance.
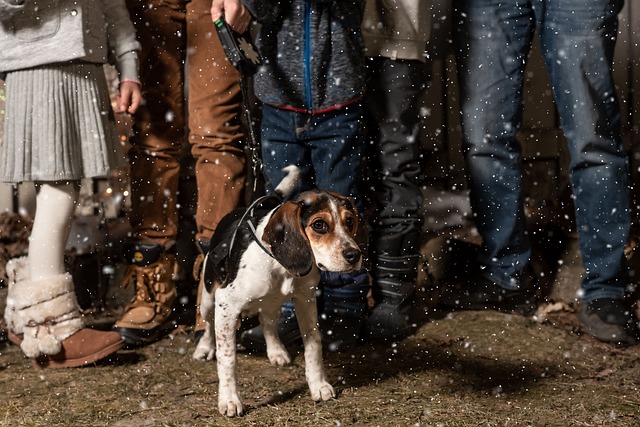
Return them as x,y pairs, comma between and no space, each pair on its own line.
197,335
382,325
52,363
134,338
259,345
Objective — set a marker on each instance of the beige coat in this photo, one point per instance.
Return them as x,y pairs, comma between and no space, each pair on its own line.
396,29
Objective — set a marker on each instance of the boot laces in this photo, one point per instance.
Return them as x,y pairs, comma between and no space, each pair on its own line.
144,280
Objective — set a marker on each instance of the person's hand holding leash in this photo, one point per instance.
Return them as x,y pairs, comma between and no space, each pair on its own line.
236,15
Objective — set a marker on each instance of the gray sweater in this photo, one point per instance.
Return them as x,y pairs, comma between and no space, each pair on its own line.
312,51
39,32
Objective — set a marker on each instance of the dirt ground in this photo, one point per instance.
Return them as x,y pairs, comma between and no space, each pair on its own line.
458,369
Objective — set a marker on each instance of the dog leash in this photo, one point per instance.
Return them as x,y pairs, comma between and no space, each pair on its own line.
244,56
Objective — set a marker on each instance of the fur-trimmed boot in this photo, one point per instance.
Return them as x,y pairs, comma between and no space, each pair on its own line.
17,271
43,317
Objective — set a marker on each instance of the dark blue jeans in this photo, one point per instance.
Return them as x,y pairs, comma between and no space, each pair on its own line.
493,39
327,148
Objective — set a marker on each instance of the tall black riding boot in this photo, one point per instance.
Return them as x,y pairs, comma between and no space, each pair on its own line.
394,294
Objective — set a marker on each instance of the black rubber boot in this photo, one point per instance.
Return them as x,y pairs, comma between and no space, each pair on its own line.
394,293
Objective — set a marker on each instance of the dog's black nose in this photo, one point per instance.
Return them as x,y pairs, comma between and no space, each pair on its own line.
352,255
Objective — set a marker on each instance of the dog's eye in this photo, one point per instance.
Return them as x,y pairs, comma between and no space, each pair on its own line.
319,226
349,222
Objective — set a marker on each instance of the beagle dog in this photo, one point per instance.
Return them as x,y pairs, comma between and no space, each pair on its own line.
266,264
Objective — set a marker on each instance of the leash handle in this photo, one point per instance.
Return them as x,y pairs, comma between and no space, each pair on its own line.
239,48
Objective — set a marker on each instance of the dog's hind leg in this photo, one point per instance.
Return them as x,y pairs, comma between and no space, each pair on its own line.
307,313
206,348
276,352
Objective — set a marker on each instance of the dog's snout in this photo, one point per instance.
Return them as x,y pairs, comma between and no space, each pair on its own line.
352,255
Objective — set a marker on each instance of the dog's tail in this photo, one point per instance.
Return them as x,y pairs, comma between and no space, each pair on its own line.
289,182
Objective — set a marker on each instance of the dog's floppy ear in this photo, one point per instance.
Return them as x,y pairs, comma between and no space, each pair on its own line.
287,240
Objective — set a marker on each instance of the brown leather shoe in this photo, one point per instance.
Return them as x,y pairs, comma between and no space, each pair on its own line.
148,315
82,348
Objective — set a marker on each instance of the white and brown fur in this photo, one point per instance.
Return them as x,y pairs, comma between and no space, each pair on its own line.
313,232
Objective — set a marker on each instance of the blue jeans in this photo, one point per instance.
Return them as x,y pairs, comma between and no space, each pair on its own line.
327,148
493,39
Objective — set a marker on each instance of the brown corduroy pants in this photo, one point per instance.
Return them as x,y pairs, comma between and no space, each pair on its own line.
172,33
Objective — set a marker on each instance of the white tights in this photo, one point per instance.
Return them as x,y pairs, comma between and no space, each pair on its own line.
55,206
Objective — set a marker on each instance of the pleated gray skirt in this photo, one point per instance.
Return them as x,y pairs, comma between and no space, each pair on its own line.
59,124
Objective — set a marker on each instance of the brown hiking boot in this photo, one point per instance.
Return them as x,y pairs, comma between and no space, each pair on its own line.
148,315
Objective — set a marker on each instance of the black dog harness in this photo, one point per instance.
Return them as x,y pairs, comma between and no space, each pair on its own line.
233,235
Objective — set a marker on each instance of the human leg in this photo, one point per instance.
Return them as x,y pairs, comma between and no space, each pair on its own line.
159,126
493,40
336,146
215,131
42,308
336,139
159,131
578,53
280,147
394,89
492,46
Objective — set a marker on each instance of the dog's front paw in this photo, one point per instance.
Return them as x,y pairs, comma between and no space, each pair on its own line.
231,406
279,357
204,352
322,391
